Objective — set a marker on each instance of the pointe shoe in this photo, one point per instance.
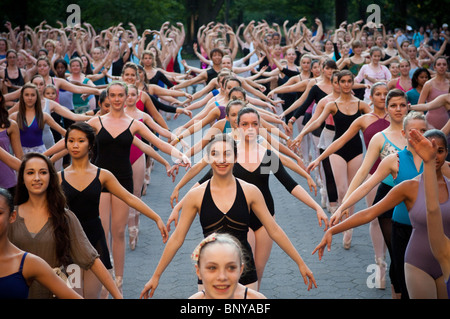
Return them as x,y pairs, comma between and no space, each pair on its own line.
147,175
347,239
133,236
332,209
144,189
323,197
380,279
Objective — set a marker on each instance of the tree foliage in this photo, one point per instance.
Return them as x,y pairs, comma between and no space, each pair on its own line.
150,14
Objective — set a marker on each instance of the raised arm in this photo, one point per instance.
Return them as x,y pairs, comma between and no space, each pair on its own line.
439,242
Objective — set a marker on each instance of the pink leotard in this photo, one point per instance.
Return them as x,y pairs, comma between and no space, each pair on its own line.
437,118
135,152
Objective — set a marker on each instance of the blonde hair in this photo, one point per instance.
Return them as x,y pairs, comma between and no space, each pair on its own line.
414,115
220,238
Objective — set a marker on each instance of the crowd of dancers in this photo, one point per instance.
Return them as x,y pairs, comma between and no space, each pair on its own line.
358,112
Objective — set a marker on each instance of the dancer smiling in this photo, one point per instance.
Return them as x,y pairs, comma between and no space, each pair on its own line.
237,198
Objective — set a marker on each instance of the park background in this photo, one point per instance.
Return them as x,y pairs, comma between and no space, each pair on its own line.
145,14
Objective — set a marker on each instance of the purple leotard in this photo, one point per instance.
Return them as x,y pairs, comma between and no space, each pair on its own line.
418,252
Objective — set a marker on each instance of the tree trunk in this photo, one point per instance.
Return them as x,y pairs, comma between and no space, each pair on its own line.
341,11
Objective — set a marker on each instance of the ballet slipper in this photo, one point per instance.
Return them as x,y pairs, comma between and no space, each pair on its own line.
323,197
133,235
380,279
347,239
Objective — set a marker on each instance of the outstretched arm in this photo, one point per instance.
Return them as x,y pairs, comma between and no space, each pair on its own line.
392,199
439,242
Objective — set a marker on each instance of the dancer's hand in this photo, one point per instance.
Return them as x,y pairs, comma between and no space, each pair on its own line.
172,171
297,141
312,166
338,216
174,196
312,185
163,229
173,218
307,275
321,216
326,241
424,147
149,288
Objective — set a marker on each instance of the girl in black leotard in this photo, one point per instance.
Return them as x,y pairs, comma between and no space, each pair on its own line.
344,110
82,183
254,165
224,190
113,129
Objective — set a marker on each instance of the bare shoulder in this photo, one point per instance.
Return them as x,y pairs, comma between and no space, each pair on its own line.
197,295
194,196
253,294
250,190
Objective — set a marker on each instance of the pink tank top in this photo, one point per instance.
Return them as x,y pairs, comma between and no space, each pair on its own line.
437,118
135,152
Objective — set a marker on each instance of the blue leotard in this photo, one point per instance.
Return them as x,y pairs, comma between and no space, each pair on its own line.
14,286
407,170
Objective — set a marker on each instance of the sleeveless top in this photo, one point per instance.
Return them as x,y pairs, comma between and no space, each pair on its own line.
113,154
227,128
418,252
234,222
354,67
31,135
413,96
211,74
8,177
407,170
101,81
80,105
379,125
14,286
398,86
387,149
47,135
19,81
135,152
66,99
437,117
85,205
140,105
221,109
342,122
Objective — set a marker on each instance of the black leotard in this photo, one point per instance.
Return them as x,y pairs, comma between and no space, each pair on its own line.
234,222
19,81
159,76
314,95
85,205
342,122
290,97
211,74
271,163
113,154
